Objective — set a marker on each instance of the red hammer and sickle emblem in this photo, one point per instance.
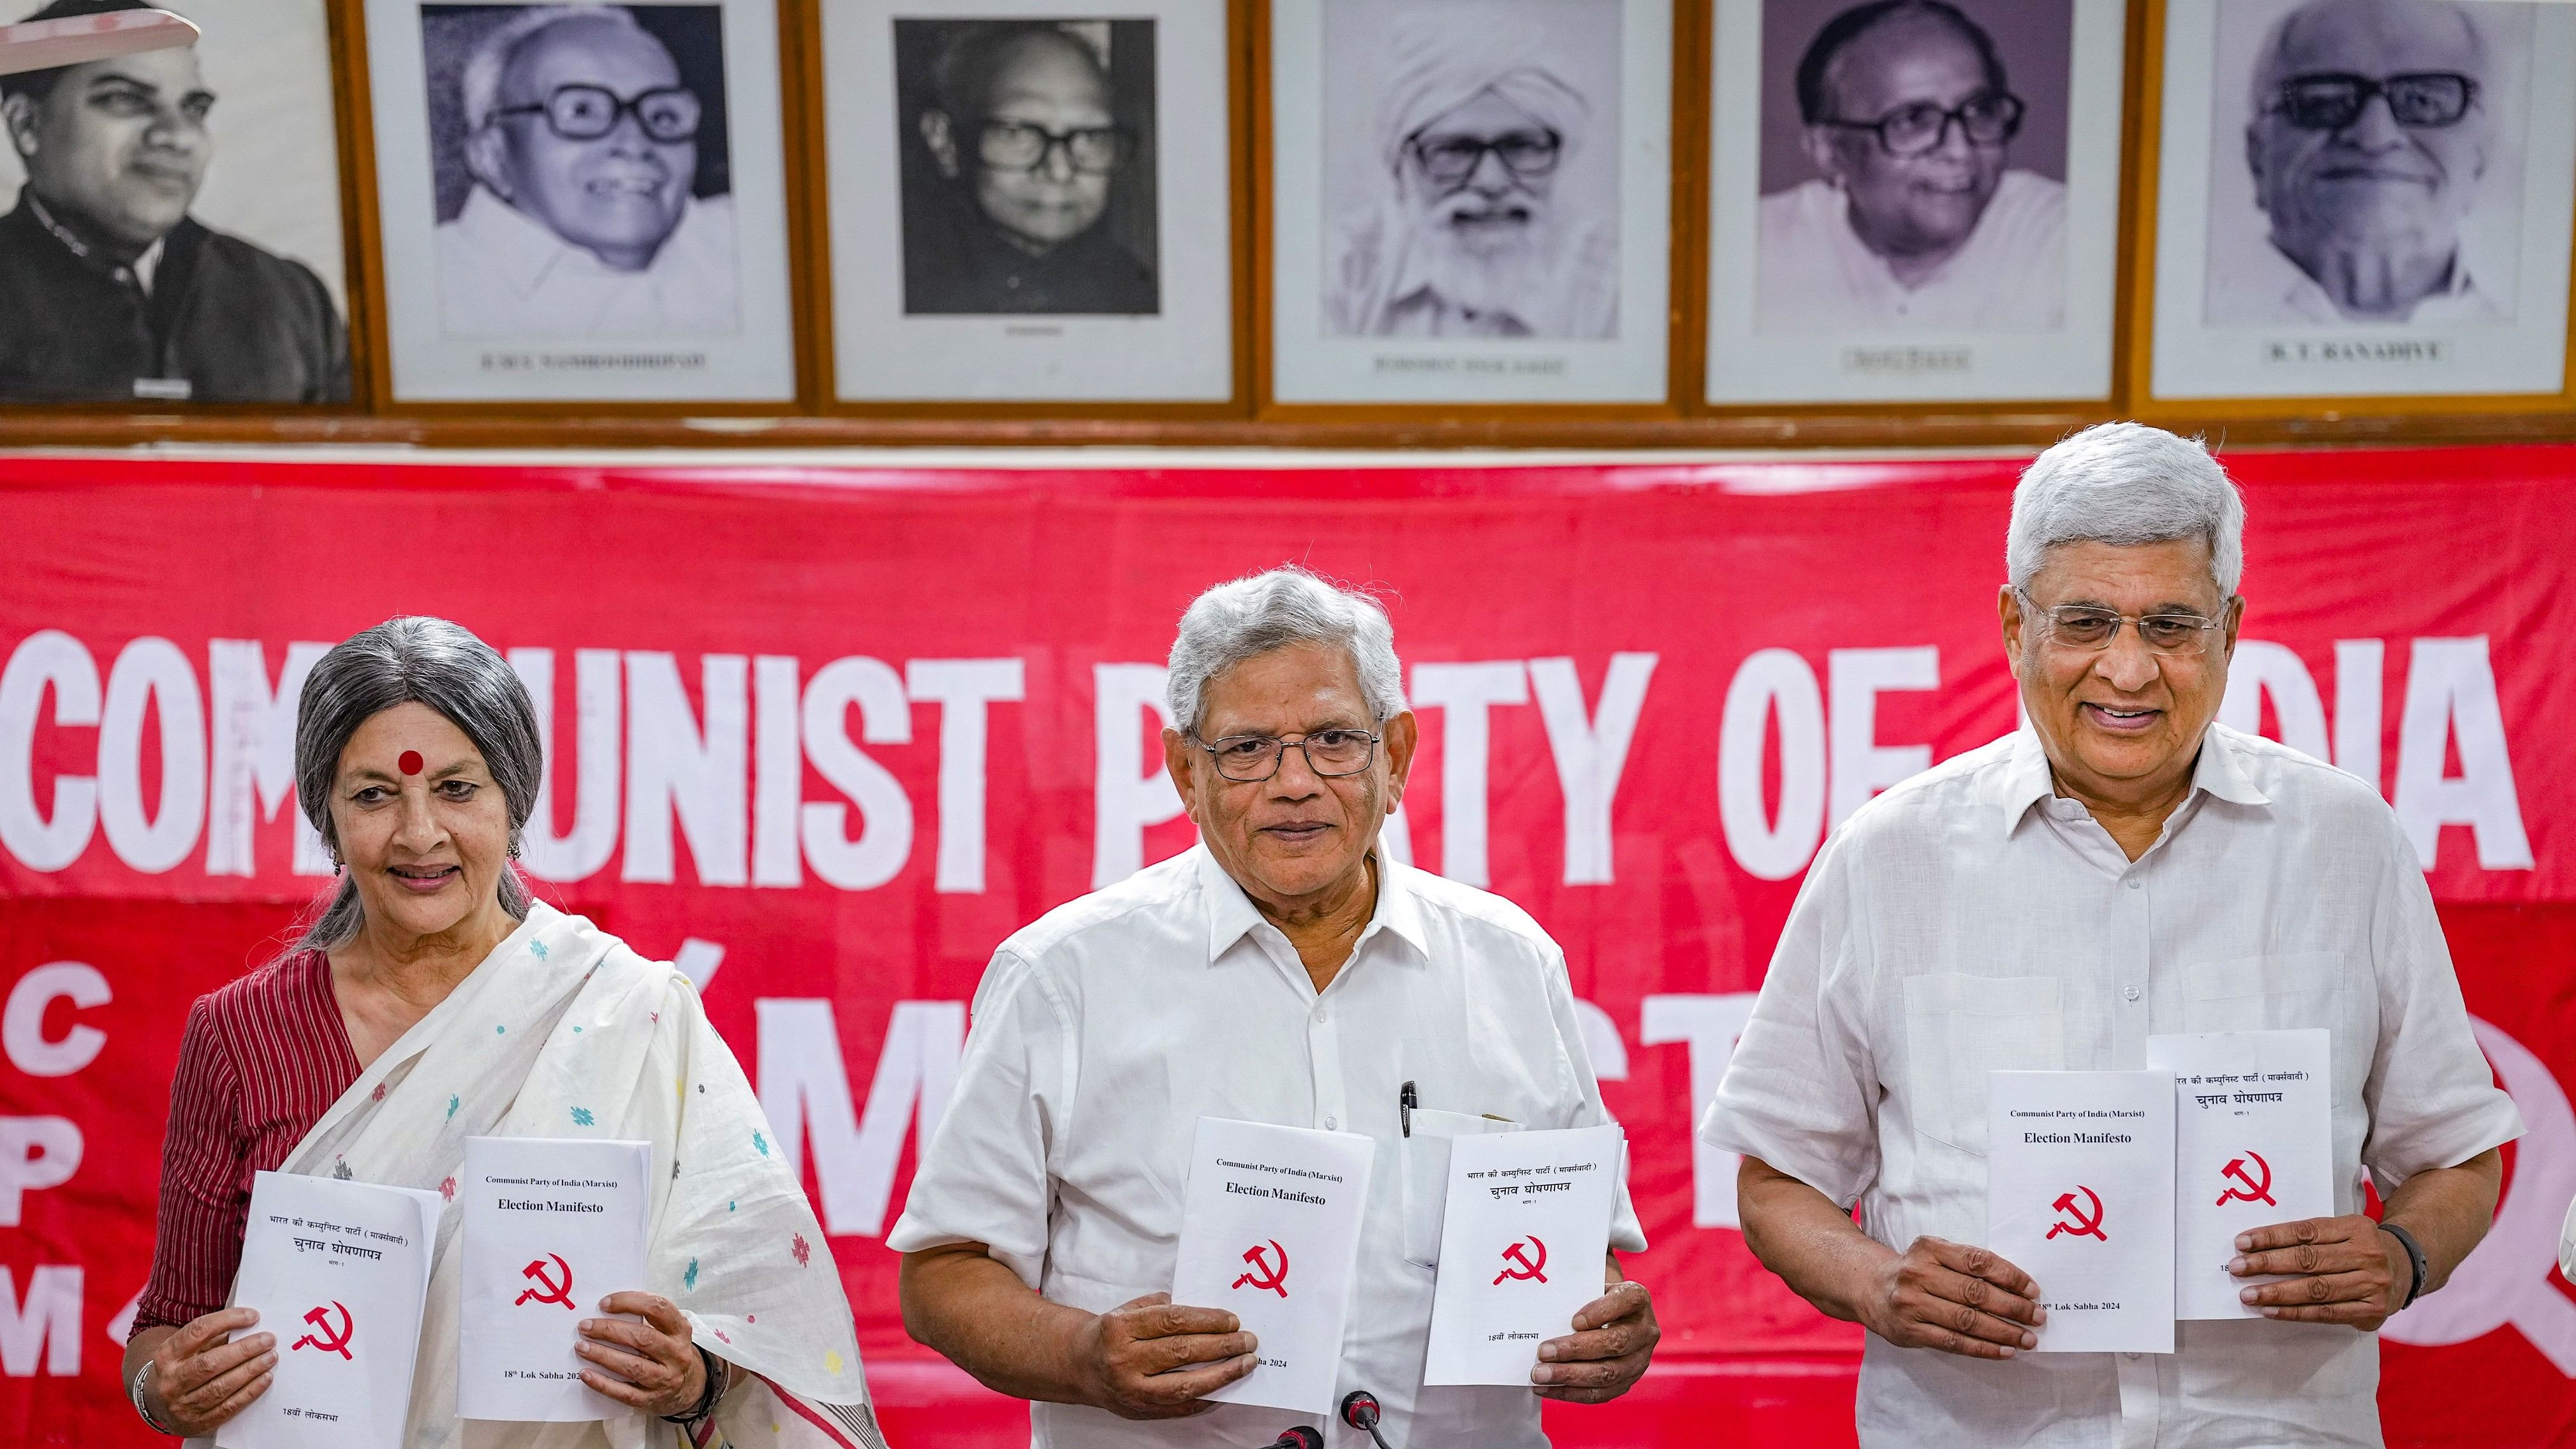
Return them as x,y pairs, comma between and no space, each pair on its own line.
2083,1226
1527,1269
1262,1276
2252,1191
555,1292
322,1337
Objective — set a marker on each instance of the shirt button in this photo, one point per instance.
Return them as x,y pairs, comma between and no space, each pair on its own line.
1332,1124
1320,1014
2130,992
2133,882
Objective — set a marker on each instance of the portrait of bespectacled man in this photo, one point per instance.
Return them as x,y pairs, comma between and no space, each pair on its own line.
579,155
1028,166
1913,166
112,287
2367,163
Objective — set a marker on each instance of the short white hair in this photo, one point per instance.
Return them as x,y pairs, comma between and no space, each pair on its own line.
2126,484
1283,607
481,81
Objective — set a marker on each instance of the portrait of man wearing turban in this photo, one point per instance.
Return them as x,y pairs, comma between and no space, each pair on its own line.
1471,233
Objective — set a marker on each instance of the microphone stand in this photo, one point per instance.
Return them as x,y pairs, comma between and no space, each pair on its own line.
1360,1411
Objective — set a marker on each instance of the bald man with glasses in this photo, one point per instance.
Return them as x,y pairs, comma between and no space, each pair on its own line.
582,221
1915,219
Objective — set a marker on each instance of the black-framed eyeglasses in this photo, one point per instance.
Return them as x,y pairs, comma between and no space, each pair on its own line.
587,112
1449,159
1329,753
1989,118
1025,146
2088,627
2332,100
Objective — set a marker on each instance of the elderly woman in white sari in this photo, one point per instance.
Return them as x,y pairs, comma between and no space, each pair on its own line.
432,1000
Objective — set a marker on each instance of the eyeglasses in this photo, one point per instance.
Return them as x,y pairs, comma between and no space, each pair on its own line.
2330,101
1448,160
2082,626
1989,118
1021,146
587,112
1329,753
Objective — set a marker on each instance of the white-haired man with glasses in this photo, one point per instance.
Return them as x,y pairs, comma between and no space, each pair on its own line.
1473,237
1914,218
2123,866
1282,971
2370,134
582,143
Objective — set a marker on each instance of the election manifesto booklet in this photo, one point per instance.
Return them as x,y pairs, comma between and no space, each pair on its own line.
338,1271
2253,1146
1270,1232
1522,1245
2080,1195
551,1226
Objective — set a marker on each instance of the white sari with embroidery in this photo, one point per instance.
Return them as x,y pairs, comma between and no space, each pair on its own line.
565,1032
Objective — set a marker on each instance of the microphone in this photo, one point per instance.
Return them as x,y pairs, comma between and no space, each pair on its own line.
1296,1436
1359,1410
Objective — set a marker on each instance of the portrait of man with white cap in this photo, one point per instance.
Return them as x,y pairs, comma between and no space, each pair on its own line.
1472,230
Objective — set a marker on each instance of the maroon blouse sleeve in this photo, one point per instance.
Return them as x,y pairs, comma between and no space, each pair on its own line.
204,1209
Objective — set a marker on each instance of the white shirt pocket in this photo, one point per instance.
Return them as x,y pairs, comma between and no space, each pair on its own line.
1426,1176
1959,1027
2264,993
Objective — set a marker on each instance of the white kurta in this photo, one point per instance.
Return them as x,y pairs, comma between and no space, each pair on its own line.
1107,1029
503,273
1971,920
2265,288
1814,274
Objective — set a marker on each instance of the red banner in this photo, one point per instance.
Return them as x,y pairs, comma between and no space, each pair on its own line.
826,736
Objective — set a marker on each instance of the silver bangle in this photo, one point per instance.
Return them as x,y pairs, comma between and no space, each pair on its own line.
135,1391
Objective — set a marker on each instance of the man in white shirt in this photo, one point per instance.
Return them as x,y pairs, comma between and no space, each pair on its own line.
2124,866
1282,971
2370,134
1916,221
581,223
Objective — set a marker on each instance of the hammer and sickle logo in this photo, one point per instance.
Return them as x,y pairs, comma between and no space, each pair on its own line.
2084,1226
2252,1191
554,1292
1263,1275
322,1337
1527,1270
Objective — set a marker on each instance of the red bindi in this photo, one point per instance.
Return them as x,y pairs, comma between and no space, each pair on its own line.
410,762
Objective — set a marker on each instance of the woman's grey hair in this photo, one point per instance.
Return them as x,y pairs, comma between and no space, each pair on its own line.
414,660
2126,484
480,83
1261,612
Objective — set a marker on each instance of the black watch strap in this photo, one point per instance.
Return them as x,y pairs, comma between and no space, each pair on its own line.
2414,1259
706,1403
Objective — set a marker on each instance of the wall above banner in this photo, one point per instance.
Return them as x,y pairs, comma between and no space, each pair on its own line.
826,736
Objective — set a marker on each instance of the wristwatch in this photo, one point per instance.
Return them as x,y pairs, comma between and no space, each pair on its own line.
706,1405
2414,1259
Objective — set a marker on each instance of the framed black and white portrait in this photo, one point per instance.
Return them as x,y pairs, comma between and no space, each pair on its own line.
1471,200
582,202
2364,198
1914,200
1030,202
175,230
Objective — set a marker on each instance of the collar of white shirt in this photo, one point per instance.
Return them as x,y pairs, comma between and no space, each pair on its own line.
2459,300
1232,915
520,252
2025,780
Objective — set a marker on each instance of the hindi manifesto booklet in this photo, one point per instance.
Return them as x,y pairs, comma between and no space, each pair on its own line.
338,1271
1270,1232
551,1227
2253,1146
1522,1246
2080,1195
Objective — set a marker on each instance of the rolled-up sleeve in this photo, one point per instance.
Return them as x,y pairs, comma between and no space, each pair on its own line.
984,1178
2432,1099
1797,1092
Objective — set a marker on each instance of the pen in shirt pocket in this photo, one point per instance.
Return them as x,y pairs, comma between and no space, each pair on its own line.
1405,1101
